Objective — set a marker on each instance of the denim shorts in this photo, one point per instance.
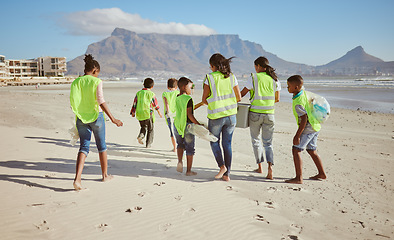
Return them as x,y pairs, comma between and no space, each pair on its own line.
85,133
170,126
186,142
308,141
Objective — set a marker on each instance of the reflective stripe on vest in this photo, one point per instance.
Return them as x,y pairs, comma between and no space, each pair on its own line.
221,105
262,100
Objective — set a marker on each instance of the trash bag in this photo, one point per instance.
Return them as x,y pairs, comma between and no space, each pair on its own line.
320,106
201,132
74,135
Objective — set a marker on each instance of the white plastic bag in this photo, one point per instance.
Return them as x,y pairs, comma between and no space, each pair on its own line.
320,106
201,132
74,135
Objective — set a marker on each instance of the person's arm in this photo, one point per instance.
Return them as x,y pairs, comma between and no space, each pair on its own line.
105,108
191,116
198,105
155,105
244,92
134,107
205,94
237,93
277,96
301,127
166,106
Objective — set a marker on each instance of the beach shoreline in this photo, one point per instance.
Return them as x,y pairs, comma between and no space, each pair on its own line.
148,199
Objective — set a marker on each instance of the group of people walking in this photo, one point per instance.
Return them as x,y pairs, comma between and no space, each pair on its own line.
221,93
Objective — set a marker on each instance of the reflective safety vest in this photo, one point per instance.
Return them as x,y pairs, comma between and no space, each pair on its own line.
83,98
263,93
143,109
302,100
180,119
222,101
171,97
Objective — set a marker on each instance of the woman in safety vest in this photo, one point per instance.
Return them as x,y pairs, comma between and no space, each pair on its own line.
221,94
264,90
87,102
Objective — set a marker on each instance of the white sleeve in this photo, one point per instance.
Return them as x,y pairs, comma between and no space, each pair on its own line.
278,86
206,80
249,83
235,80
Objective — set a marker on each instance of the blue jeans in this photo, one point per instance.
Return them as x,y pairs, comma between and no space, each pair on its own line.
170,126
187,142
225,127
85,134
262,123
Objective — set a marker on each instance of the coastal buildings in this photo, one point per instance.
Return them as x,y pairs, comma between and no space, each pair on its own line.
28,68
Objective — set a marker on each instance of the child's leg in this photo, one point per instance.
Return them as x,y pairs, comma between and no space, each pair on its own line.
269,173
298,167
189,171
179,167
316,159
150,134
189,147
104,166
78,171
142,133
173,144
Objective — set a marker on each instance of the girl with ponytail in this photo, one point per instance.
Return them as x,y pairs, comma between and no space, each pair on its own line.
87,102
221,94
264,88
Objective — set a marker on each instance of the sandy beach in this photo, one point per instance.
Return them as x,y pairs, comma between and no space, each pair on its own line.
148,199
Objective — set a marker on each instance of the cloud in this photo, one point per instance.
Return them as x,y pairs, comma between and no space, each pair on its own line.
101,22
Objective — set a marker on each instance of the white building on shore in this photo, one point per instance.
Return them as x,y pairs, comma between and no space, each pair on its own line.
28,68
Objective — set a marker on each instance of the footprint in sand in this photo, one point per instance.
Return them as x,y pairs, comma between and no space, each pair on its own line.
229,188
42,226
305,211
296,228
141,194
270,205
159,183
102,227
261,218
178,198
165,227
136,209
272,189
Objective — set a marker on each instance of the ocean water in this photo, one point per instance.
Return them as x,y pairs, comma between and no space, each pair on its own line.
366,94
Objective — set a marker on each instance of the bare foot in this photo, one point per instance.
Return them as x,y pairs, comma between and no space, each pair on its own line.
318,177
173,150
77,185
222,171
226,178
258,170
269,175
294,180
140,141
191,173
107,178
179,167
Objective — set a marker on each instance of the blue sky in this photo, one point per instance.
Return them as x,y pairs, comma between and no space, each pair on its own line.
310,32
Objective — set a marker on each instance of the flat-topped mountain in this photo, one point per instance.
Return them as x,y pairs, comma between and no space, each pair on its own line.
126,52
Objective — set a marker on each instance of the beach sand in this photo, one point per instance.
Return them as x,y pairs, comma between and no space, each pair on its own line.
149,199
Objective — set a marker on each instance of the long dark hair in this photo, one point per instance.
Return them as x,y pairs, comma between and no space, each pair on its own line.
90,63
263,62
221,63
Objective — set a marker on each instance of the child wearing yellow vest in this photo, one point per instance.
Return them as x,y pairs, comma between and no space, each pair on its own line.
144,103
87,102
169,106
308,130
184,117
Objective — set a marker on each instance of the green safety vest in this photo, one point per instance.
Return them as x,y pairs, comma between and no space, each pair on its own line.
83,99
222,101
262,96
180,119
143,109
170,96
303,101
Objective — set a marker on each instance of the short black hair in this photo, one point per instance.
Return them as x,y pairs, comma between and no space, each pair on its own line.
183,81
148,83
297,79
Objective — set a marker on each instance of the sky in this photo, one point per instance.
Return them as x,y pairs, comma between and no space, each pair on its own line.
312,32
